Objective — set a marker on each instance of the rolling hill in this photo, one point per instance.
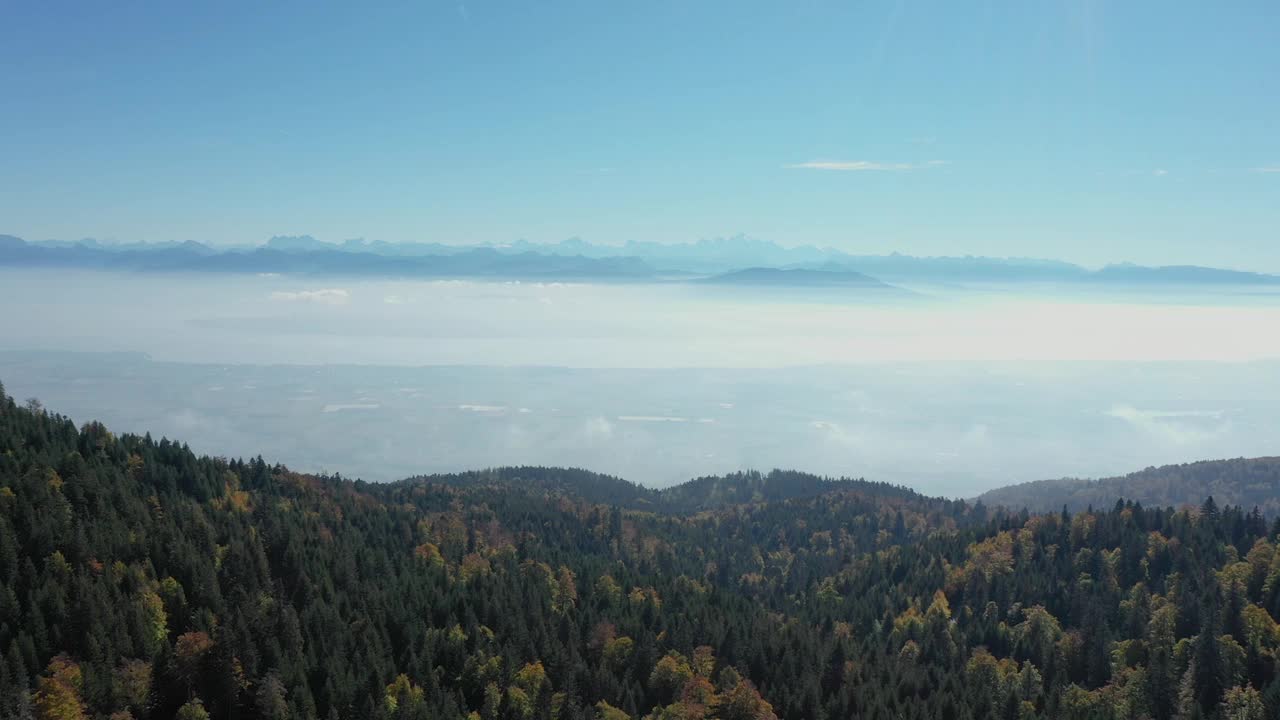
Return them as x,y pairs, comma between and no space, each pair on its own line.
1253,482
797,278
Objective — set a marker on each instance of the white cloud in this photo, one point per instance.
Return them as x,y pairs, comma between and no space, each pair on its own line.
393,300
1155,172
1176,427
1268,169
1133,414
487,409
597,428
839,435
862,165
328,296
850,165
339,407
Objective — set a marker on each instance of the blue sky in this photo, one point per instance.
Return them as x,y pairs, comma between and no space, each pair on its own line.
1089,131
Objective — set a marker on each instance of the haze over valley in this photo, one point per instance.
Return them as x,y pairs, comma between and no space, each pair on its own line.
952,388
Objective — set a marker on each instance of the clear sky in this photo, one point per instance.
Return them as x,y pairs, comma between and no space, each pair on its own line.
1088,131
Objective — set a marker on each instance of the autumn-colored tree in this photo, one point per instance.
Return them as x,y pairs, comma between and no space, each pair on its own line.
743,702
531,678
474,565
132,683
565,596
602,634
193,710
704,660
607,590
1243,703
617,653
403,697
605,711
519,702
156,621
669,675
57,700
430,554
492,706
190,651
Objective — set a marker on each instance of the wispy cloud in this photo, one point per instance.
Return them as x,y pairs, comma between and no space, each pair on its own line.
1178,427
1155,172
862,165
1268,169
328,296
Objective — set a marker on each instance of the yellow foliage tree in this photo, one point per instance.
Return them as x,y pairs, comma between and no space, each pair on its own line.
430,554
743,702
531,678
193,710
402,696
605,711
617,653
566,590
56,700
607,589
670,674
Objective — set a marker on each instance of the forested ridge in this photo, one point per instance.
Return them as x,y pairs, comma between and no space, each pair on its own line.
1247,482
140,580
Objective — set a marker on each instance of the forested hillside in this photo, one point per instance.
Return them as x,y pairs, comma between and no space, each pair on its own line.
139,580
1247,482
704,493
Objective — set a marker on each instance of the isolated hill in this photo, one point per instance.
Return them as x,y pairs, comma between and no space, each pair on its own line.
796,278
712,492
1246,482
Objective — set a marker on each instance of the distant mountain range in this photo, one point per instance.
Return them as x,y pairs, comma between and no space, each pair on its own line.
194,257
1243,482
738,260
